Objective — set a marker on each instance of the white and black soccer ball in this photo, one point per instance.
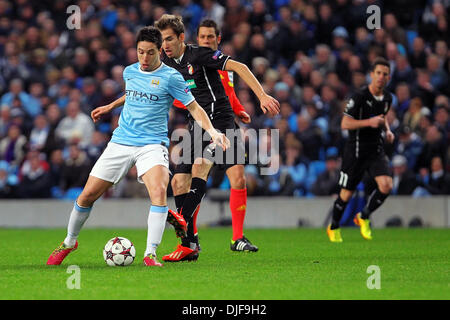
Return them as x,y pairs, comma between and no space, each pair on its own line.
119,251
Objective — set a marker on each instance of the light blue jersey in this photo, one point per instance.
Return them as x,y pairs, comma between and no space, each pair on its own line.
149,96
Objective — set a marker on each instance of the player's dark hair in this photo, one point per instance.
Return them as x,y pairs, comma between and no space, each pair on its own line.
380,61
208,23
170,21
150,34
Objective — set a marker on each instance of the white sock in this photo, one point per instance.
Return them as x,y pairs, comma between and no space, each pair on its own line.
78,217
156,225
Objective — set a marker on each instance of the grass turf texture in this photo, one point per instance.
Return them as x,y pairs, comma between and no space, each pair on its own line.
291,264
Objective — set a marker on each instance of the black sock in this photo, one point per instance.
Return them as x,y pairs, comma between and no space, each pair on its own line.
179,200
376,199
191,201
338,210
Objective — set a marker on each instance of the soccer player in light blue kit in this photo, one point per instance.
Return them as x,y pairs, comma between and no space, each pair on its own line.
141,140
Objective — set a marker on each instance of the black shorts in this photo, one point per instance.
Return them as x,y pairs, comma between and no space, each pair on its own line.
353,168
201,145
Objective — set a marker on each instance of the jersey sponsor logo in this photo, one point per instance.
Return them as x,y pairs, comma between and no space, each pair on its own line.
191,84
190,69
141,96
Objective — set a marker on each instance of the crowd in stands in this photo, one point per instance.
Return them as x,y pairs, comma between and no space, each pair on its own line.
311,55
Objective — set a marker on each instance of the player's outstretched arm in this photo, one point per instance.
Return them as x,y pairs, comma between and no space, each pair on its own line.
202,119
97,112
267,103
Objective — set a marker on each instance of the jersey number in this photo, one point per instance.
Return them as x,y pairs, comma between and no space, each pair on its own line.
343,179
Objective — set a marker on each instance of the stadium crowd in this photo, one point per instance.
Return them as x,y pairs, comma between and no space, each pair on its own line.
310,55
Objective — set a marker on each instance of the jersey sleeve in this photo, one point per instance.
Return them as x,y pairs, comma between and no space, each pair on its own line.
179,90
209,58
227,81
352,107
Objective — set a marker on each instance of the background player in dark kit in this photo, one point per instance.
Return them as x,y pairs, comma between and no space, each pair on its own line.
364,117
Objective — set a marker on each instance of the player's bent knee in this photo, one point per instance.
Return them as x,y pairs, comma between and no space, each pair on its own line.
238,182
180,185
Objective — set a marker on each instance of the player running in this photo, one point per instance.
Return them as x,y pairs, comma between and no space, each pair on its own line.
199,66
208,35
364,118
141,140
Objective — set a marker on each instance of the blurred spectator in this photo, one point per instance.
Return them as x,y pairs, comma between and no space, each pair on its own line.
35,181
8,182
75,125
75,170
434,145
12,147
403,95
296,164
403,179
437,181
97,145
191,13
409,144
413,115
16,91
56,162
418,56
327,182
213,10
310,136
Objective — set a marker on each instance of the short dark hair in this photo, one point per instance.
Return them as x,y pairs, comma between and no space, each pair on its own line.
150,34
208,23
380,61
170,21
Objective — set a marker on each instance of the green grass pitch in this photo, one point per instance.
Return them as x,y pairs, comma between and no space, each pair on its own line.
292,264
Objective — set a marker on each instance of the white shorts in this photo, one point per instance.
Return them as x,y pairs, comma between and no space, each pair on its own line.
117,159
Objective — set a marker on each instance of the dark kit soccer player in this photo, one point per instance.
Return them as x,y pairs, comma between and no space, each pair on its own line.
364,118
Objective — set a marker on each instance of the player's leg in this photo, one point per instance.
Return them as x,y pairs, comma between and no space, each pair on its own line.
200,171
156,181
339,205
379,169
181,183
93,189
238,207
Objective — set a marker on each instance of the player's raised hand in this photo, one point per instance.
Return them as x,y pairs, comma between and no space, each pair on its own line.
377,121
270,105
97,112
221,140
245,117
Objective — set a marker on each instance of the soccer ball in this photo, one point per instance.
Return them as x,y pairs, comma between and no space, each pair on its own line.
119,251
